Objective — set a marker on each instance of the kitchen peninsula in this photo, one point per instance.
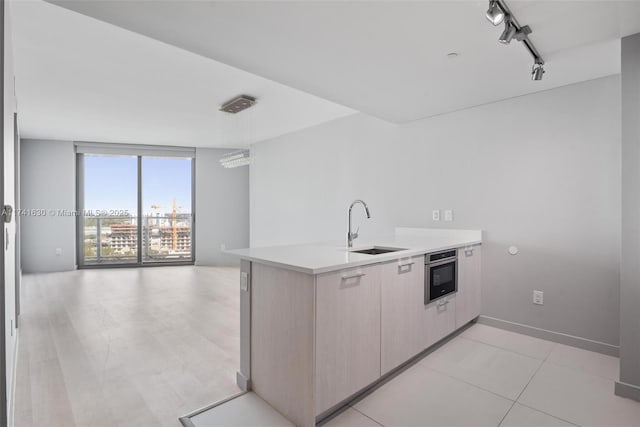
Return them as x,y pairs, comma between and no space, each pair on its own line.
322,322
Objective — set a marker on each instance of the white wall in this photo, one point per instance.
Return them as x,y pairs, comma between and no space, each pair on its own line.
540,171
9,108
222,208
47,175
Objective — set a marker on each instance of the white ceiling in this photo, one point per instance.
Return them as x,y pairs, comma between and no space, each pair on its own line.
79,78
388,58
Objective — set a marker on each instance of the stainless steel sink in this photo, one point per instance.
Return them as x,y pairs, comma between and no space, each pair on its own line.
377,250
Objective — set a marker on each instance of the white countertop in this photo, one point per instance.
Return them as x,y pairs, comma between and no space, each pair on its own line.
317,258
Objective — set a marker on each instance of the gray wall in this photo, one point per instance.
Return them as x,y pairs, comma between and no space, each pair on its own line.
541,172
47,175
48,182
222,208
630,267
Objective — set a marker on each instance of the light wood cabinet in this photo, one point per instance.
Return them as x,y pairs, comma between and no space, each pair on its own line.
347,333
403,329
282,341
316,340
440,319
468,297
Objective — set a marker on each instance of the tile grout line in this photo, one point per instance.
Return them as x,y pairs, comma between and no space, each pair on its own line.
546,360
507,349
365,415
525,387
465,382
522,391
546,413
555,344
581,371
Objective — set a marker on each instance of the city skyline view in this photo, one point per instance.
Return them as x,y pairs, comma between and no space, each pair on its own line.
111,184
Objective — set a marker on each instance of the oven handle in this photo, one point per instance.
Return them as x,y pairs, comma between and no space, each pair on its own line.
442,261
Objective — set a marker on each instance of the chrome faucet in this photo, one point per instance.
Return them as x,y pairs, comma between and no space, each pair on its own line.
352,236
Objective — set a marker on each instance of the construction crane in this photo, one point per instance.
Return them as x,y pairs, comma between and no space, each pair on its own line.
174,222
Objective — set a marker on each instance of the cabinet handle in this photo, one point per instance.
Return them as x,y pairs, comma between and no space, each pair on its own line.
352,276
406,265
405,268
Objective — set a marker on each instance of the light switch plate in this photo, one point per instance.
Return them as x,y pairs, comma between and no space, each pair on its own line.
448,215
435,215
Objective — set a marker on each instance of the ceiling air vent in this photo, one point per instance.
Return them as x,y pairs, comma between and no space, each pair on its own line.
238,104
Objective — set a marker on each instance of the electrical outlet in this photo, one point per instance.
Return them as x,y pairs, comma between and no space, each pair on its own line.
435,215
58,251
538,297
223,247
448,215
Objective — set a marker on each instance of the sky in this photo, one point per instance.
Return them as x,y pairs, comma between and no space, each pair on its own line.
110,183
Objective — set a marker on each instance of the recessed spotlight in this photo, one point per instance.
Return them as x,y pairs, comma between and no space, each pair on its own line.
452,55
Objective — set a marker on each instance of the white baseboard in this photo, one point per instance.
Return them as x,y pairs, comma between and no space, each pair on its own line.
587,344
629,391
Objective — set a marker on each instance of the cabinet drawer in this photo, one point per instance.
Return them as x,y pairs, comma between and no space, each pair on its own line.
440,319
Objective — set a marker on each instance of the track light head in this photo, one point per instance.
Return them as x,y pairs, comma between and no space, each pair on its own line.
509,31
537,71
495,14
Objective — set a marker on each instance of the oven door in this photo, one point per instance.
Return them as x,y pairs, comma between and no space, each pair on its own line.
440,279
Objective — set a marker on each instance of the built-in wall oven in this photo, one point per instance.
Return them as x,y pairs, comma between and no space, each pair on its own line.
441,275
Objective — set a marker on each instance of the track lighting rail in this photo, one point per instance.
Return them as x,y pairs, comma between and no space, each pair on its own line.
537,58
498,13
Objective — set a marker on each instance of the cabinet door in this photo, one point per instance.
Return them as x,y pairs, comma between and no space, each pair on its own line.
347,333
403,329
440,319
468,298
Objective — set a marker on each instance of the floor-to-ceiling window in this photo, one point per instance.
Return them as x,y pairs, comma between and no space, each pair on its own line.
134,208
110,210
167,220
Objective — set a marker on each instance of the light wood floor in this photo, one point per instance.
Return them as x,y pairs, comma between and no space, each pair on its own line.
126,347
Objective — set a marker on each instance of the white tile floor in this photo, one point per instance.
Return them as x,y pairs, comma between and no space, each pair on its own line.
483,377
490,377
